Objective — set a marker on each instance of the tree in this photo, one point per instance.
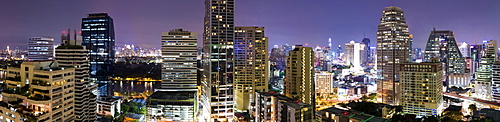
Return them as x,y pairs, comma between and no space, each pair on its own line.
452,116
473,107
125,108
134,109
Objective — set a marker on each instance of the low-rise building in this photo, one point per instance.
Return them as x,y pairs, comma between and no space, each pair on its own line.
107,105
38,91
339,115
273,107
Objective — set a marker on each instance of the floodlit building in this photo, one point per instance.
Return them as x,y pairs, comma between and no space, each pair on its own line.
175,99
251,68
324,83
355,54
217,93
98,35
484,73
495,87
38,91
299,80
73,55
393,48
422,88
442,45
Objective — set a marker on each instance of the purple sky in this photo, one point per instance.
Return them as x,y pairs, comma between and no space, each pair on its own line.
286,21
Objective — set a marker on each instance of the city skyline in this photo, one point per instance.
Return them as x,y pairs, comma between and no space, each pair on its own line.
140,23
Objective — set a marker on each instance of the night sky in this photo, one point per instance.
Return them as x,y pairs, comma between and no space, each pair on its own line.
286,21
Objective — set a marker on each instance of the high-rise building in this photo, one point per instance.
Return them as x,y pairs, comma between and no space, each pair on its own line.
476,54
495,87
355,53
39,91
218,44
484,73
71,54
366,41
442,45
40,48
422,88
393,48
251,69
465,49
67,40
176,98
98,35
299,80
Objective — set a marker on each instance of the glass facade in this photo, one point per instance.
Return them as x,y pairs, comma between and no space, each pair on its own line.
99,37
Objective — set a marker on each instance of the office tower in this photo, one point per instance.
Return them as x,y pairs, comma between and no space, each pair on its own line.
366,41
340,53
324,83
393,47
299,80
218,43
422,88
40,48
273,107
476,54
38,91
73,55
484,74
67,40
251,69
355,54
99,37
465,49
176,99
442,45
495,87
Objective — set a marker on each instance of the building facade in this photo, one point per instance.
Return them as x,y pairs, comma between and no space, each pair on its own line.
273,107
495,87
484,73
40,48
324,83
98,35
38,91
217,95
355,54
393,48
176,99
422,88
251,65
299,80
76,56
442,45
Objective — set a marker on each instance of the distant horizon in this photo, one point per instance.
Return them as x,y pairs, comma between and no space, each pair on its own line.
293,22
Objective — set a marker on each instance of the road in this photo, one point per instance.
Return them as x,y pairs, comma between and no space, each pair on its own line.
471,99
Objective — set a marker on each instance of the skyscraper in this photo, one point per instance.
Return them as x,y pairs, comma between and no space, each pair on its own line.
355,54
393,47
40,48
484,73
73,55
218,43
442,45
176,98
495,87
299,80
251,72
366,41
465,49
99,37
422,88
